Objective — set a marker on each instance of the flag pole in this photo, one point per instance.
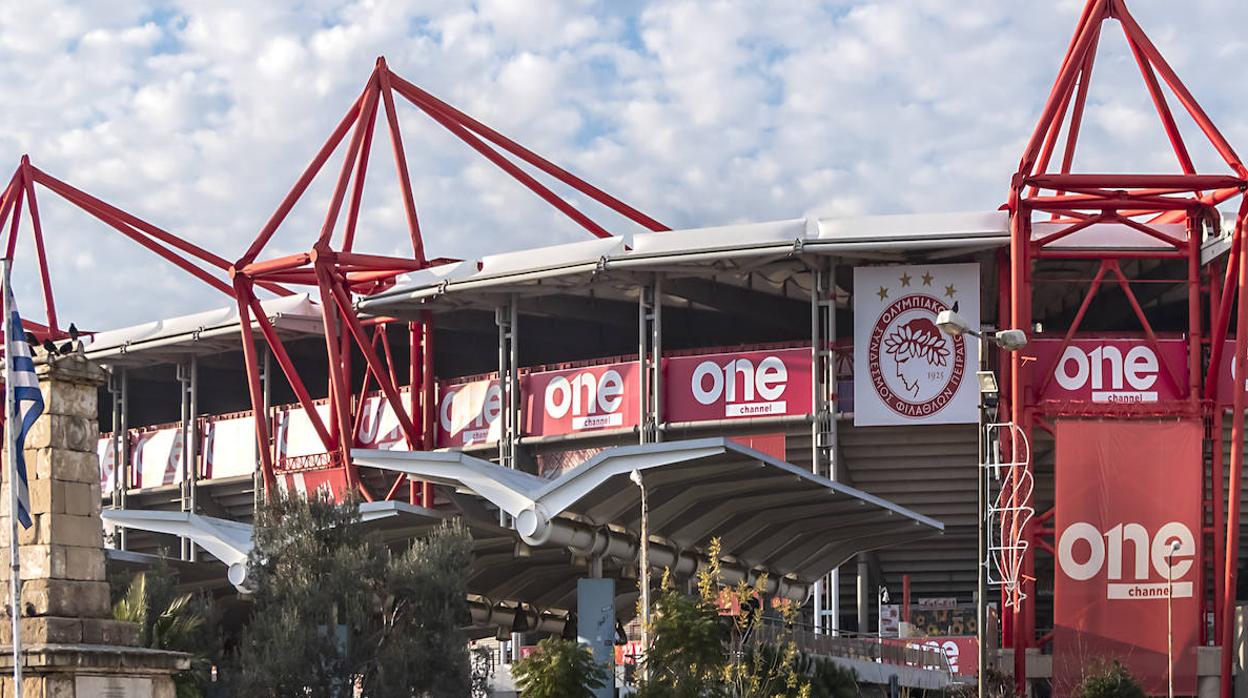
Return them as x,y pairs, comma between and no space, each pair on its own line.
10,473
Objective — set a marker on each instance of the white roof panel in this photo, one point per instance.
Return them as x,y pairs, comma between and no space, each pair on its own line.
298,313
724,237
925,226
552,257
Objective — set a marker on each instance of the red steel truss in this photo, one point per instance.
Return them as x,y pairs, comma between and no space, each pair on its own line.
20,195
1071,202
338,272
1042,191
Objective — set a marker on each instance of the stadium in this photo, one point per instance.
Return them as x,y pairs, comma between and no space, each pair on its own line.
839,401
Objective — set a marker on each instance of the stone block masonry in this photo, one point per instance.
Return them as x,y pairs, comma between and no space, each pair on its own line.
71,644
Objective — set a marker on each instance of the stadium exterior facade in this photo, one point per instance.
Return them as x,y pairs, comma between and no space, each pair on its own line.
781,385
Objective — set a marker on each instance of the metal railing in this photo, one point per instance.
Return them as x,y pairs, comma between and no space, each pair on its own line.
849,645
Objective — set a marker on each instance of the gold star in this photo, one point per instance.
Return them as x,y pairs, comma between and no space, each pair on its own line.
950,290
904,279
883,293
927,278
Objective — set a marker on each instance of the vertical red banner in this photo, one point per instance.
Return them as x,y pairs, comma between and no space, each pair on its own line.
1128,538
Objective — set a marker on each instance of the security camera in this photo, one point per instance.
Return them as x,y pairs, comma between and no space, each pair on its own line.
1011,340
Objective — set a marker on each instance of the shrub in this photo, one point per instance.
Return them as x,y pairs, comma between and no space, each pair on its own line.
559,669
1109,681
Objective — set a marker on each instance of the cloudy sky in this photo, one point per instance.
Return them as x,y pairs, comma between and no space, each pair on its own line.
198,116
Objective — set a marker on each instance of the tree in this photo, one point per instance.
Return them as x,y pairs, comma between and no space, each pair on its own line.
335,611
709,645
559,669
171,622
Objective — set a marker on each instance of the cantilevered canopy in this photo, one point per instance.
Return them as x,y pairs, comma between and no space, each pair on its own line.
770,516
208,332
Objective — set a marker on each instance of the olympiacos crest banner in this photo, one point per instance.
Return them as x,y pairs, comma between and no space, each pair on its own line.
906,371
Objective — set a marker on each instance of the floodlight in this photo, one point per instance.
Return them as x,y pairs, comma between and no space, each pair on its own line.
1011,340
987,382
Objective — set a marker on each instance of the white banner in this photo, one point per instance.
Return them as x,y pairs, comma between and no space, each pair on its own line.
906,371
156,457
229,447
108,464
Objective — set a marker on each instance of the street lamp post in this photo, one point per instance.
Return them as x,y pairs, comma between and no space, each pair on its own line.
643,576
1170,625
955,325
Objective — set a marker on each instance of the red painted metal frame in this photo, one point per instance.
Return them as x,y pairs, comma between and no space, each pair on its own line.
339,273
1139,202
208,267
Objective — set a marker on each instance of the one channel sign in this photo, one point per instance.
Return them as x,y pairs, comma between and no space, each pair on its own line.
906,371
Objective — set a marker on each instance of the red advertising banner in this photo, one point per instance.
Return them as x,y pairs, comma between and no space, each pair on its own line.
1226,374
961,651
745,384
1127,529
468,413
1111,371
581,399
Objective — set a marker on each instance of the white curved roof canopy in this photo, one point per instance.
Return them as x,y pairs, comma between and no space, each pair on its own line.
769,515
211,331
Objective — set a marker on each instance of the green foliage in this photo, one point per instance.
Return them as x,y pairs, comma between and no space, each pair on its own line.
1109,680
335,609
559,669
168,621
701,649
687,654
827,678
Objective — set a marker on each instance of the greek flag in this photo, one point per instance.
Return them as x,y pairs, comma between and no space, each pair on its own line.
27,402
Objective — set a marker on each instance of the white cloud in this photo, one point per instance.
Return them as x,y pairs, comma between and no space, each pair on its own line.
199,116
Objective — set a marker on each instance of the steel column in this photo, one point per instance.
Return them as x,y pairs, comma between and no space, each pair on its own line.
650,356
823,426
1230,564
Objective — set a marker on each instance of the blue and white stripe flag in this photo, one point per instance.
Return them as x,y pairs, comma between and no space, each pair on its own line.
27,400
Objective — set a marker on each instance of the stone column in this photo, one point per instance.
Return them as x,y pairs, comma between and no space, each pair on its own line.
71,645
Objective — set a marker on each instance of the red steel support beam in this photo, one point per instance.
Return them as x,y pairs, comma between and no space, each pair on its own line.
270,226
1159,102
506,165
263,445
1230,563
1074,325
361,170
288,367
418,96
1218,338
400,163
374,363
1180,90
1217,471
45,274
348,163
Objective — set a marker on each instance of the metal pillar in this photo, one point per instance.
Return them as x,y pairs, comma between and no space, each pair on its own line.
507,318
650,356
823,427
266,383
124,466
864,595
595,625
118,447
981,533
188,386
